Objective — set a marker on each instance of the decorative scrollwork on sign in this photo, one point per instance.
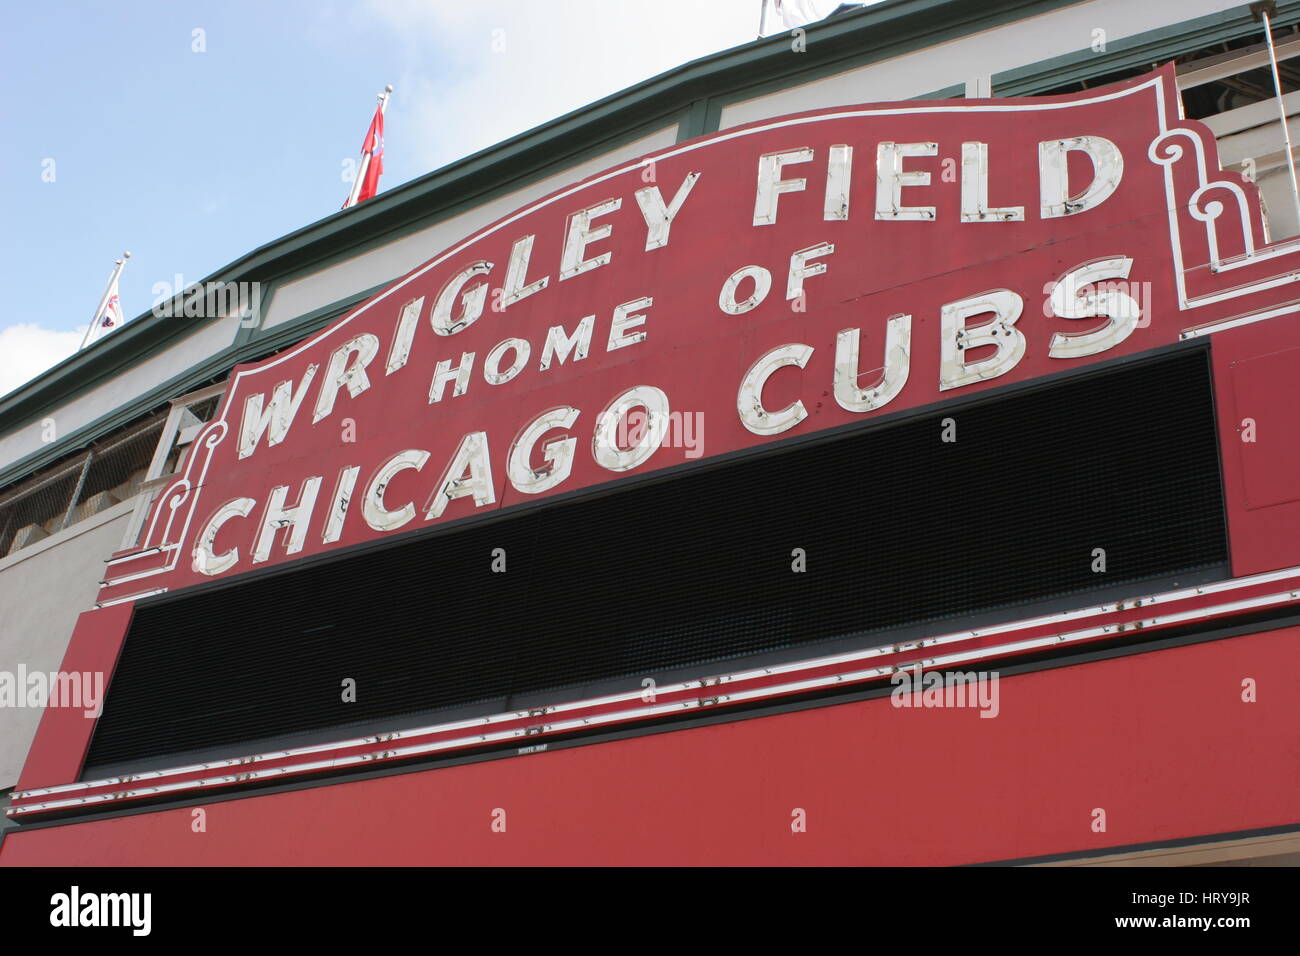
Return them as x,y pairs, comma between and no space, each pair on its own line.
1165,151
1208,211
1235,233
176,503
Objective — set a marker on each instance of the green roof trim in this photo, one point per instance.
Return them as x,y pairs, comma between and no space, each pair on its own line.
1140,51
956,91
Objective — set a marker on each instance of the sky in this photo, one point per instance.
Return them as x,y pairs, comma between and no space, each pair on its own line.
190,132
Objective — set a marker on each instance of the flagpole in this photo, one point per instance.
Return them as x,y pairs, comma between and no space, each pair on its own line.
762,18
103,300
1265,11
365,159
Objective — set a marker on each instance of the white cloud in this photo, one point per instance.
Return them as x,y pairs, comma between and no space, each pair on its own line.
27,350
470,75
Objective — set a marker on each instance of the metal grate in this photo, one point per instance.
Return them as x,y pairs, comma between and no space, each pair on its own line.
899,527
77,488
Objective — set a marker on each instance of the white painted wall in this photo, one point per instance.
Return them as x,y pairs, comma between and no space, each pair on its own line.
42,591
1039,38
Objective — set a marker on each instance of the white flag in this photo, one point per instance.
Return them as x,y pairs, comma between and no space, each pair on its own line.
110,316
797,13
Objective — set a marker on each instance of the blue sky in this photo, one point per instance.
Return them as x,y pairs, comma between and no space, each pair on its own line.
190,158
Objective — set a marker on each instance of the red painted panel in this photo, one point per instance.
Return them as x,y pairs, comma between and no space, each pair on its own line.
1256,368
1264,390
1161,741
63,735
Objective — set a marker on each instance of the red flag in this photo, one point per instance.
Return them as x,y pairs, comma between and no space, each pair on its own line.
374,146
372,158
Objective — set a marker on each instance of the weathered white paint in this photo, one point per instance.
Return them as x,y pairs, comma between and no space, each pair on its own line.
583,232
1028,41
206,558
849,395
557,453
892,178
1000,331
604,440
975,188
1054,181
754,415
659,215
469,475
771,182
1070,302
727,300
373,508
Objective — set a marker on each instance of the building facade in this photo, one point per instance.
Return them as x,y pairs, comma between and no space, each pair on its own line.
870,444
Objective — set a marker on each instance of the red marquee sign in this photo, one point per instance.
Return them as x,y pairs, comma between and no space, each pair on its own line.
748,286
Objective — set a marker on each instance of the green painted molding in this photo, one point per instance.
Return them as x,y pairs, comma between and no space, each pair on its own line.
694,120
702,118
957,91
1139,51
246,332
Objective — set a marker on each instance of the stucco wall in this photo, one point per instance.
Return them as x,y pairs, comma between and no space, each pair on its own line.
42,590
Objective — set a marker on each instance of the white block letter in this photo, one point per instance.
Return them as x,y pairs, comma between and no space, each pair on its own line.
749,399
890,180
1068,302
1000,332
771,185
1054,178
